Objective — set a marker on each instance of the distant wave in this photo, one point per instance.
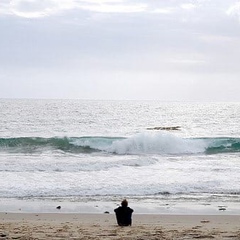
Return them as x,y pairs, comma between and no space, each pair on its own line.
142,143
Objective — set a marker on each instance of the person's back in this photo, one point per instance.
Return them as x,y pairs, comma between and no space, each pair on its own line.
124,214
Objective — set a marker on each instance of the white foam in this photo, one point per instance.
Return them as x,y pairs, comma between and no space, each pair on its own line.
157,143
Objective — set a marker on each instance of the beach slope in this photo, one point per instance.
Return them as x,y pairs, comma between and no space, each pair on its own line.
103,226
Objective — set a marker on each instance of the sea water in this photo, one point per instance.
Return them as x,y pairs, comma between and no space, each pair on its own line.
84,153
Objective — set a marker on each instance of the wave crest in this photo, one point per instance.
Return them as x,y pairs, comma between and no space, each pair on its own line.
157,143
142,143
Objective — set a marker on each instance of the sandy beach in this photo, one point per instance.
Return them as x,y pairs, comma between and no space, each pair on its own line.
103,226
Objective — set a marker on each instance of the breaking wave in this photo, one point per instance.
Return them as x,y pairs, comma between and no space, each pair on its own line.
142,143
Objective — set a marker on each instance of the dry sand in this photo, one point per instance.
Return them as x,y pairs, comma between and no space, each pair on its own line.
103,226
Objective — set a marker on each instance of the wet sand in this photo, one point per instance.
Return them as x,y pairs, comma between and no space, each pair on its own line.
103,226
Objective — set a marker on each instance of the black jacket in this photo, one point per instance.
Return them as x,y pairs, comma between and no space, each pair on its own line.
124,216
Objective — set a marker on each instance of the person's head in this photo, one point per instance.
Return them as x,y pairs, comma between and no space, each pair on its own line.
124,203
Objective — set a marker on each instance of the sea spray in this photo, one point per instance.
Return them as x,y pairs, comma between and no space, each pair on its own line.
157,143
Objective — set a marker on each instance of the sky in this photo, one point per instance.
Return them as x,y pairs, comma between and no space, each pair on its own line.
167,50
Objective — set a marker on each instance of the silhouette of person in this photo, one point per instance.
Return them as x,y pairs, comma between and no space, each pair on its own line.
124,214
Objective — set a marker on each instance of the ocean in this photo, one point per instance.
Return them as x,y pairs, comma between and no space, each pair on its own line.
88,155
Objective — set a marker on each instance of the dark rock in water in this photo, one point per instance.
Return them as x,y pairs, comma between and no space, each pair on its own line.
3,235
162,193
106,212
222,209
174,128
58,207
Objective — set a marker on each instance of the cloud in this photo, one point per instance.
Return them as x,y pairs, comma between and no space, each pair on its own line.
164,10
234,10
188,6
34,8
4,7
218,39
188,61
114,8
43,8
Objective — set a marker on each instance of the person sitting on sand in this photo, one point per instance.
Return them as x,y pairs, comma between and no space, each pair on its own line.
124,214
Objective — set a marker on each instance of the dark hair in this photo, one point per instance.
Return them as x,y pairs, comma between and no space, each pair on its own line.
124,203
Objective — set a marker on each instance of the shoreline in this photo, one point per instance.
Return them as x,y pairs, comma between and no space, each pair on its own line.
144,206
103,226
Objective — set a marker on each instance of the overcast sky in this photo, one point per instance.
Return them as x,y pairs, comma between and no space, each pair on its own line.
170,50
